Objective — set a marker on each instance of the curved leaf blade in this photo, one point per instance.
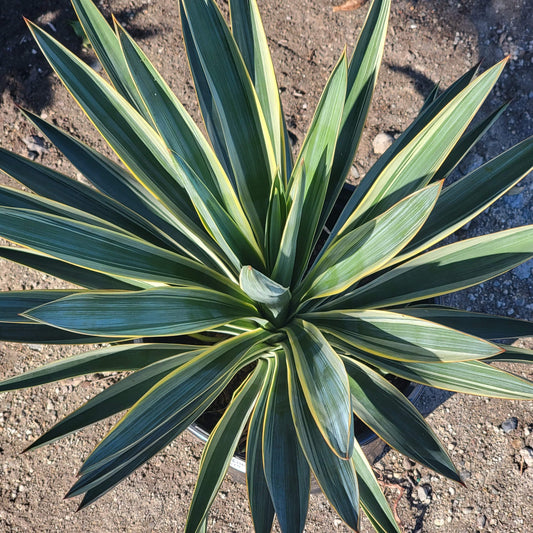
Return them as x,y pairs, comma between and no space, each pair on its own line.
117,397
221,446
171,403
105,250
383,408
112,359
324,384
366,249
336,476
488,327
147,313
250,37
403,338
242,123
372,499
286,469
261,505
447,269
468,377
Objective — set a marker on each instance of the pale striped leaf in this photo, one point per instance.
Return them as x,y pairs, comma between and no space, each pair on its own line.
243,126
468,377
403,338
417,163
366,249
104,250
250,37
449,268
478,324
171,403
336,476
324,385
468,197
146,313
261,505
120,395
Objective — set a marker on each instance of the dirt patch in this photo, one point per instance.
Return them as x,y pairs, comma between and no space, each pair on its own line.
429,41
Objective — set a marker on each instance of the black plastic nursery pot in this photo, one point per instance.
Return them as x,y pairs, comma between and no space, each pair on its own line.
372,445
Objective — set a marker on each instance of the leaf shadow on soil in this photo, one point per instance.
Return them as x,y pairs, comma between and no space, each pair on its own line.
24,73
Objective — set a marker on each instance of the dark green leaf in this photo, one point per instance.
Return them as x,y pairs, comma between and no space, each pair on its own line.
118,396
169,403
112,359
261,505
372,500
478,324
469,377
221,446
449,268
401,337
286,469
66,271
105,250
385,410
243,125
363,71
14,303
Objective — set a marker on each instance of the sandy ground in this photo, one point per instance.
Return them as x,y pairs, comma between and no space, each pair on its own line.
428,41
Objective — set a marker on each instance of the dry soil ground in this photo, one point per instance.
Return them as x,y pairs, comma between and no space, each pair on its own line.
428,41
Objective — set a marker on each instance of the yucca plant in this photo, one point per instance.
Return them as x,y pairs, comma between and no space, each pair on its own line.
222,242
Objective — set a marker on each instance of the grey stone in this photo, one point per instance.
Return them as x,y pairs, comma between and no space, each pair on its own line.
523,271
510,424
515,201
35,144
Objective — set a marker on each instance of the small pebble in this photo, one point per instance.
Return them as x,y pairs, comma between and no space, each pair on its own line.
523,271
422,493
439,521
467,510
481,521
35,144
381,142
510,424
527,455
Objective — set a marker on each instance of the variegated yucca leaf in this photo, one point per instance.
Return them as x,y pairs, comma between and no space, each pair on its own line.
256,277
